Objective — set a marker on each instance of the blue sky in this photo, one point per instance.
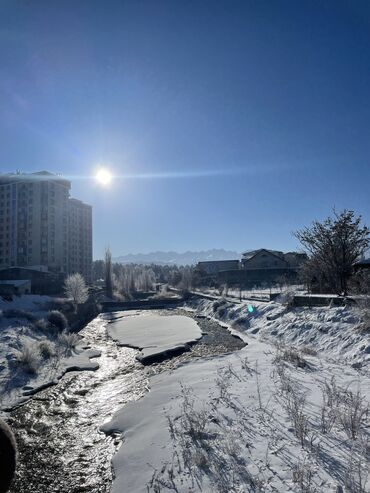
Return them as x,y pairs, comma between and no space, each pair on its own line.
228,124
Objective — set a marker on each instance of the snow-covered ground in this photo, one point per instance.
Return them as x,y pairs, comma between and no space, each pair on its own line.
268,418
153,334
334,333
256,293
48,357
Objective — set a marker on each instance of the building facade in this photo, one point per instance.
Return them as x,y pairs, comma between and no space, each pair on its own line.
263,266
264,259
212,267
34,222
80,238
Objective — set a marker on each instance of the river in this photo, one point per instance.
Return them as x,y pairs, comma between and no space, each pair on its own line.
60,446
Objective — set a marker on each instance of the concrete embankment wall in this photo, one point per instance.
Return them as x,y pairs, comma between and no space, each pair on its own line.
140,304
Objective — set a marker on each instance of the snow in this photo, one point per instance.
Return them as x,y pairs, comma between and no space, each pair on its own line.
334,332
225,424
16,384
153,334
242,444
17,282
27,302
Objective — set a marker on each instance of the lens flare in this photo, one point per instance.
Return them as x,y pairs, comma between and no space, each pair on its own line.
103,176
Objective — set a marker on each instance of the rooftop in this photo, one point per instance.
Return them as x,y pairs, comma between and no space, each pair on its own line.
7,178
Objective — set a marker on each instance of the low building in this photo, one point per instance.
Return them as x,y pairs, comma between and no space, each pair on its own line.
264,259
213,267
264,267
40,282
15,287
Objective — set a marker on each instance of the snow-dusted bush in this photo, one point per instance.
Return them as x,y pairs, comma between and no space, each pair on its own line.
354,413
330,401
303,474
15,313
357,474
46,349
28,357
58,320
291,355
364,314
62,304
206,442
241,322
217,304
41,324
345,408
68,340
286,298
308,350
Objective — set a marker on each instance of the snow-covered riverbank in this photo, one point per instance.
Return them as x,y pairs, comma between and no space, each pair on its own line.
333,332
267,418
58,431
34,355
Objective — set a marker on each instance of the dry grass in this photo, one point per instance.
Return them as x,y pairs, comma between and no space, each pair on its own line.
290,355
68,340
46,349
344,408
28,357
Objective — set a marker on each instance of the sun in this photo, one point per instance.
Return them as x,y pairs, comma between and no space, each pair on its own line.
103,176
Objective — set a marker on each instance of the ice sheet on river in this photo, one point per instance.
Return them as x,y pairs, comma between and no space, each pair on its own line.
153,334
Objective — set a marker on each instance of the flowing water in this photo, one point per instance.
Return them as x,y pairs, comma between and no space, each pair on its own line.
60,446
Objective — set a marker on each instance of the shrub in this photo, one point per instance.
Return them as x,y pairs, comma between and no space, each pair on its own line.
364,306
62,304
291,355
221,311
354,414
241,322
41,324
29,357
15,313
46,349
68,340
303,475
308,350
217,304
58,320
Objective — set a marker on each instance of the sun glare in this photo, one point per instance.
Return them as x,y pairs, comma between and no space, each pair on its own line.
103,176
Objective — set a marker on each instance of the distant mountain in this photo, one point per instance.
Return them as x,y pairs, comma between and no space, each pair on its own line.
175,258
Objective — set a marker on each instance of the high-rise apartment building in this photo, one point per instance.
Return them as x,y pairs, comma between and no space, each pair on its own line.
35,224
80,238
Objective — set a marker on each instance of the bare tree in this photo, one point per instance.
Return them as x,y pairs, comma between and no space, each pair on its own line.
108,273
98,268
76,289
334,245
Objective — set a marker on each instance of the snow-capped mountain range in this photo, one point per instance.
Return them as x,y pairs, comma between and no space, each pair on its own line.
175,258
